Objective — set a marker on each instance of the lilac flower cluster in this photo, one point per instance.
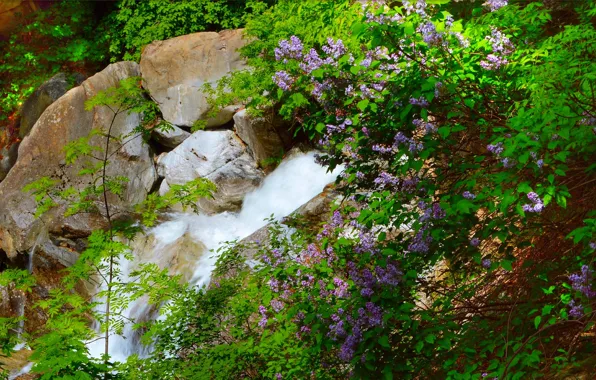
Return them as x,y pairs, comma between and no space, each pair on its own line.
582,282
419,7
263,312
277,305
575,310
430,34
475,242
313,255
386,180
536,205
369,316
495,149
501,47
380,276
312,61
274,258
334,49
283,80
289,49
495,5
486,263
422,102
341,288
468,195
434,212
421,242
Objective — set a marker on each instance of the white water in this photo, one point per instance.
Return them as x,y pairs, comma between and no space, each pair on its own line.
292,184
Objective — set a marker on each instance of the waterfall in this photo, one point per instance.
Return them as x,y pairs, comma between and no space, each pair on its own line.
187,242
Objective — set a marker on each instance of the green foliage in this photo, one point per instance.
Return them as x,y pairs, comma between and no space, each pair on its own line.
313,21
138,23
65,37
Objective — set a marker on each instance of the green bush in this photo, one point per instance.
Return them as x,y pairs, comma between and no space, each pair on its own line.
138,23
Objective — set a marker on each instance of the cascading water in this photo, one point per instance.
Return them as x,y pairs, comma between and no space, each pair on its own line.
186,243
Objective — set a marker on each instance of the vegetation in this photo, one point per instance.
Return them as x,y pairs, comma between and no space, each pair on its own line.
465,243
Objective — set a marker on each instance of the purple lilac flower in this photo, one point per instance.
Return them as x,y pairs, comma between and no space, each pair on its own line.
582,282
576,310
320,88
289,49
438,212
537,204
593,245
263,311
283,80
469,195
430,34
422,102
366,62
495,149
508,162
500,43
420,243
386,180
493,62
334,48
388,276
475,242
486,263
449,21
540,163
312,61
278,376
375,314
274,284
495,5
419,7
341,288
277,305
383,149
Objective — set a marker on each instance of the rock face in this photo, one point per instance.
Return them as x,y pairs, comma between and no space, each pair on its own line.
218,156
41,98
265,138
41,154
175,70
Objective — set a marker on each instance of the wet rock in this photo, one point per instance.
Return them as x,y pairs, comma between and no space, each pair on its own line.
266,137
218,156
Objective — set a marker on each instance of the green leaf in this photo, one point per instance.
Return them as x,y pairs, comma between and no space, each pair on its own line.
537,321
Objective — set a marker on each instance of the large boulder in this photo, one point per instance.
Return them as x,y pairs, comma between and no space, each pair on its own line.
41,154
218,156
175,70
266,137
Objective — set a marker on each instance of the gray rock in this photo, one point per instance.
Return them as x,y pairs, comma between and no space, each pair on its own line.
41,154
218,156
170,138
175,70
265,137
